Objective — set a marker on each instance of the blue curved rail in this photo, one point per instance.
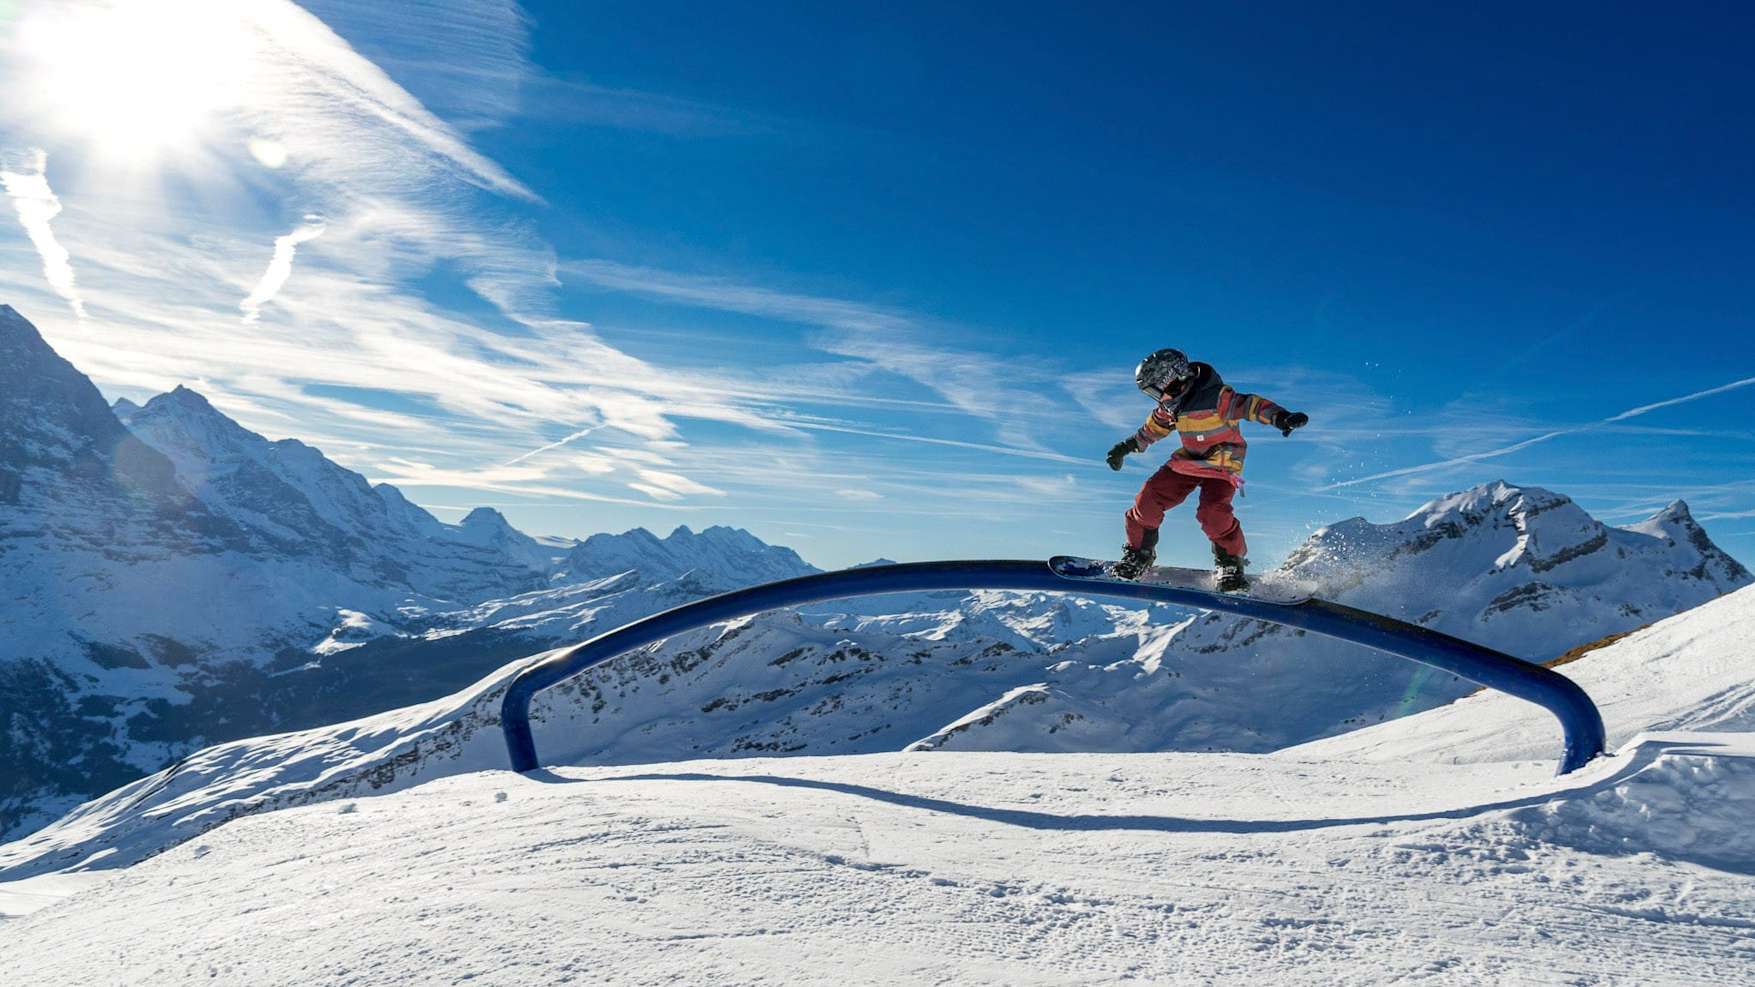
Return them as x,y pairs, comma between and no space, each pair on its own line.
1579,720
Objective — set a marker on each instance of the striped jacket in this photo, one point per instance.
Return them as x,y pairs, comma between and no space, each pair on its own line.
1206,416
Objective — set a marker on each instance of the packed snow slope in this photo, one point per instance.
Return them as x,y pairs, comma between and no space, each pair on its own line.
1695,671
956,868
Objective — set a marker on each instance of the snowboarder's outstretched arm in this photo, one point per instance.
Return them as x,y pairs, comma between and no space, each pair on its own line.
1238,405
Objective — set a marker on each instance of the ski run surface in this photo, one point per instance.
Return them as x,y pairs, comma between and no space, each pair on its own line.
976,868
1435,849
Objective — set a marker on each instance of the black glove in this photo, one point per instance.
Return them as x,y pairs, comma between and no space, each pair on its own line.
1286,421
1119,451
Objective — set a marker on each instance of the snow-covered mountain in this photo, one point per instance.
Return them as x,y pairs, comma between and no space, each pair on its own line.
1523,570
302,505
717,553
172,579
787,683
374,605
158,575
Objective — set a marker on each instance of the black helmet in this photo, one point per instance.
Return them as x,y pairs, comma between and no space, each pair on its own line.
1159,373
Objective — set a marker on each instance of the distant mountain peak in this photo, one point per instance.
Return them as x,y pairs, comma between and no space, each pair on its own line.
1534,537
1678,513
1488,500
720,555
189,412
485,517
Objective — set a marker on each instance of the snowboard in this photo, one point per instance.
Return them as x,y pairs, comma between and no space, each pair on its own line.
1202,580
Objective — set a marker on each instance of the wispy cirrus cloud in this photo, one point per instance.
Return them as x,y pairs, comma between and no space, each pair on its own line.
1548,436
665,485
26,182
892,340
730,295
468,63
279,267
562,100
348,349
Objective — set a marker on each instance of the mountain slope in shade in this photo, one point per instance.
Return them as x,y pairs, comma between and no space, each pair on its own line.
70,472
157,580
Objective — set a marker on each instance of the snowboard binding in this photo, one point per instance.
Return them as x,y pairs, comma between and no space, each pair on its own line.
1134,562
1228,574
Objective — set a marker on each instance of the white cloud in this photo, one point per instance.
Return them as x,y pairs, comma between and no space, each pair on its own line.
975,383
279,267
673,483
27,183
1049,486
594,465
272,154
403,194
640,455
530,482
468,62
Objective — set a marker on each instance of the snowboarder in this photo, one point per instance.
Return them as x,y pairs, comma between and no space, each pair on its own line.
1205,413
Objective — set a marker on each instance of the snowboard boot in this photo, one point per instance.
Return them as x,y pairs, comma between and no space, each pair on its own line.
1134,562
1228,571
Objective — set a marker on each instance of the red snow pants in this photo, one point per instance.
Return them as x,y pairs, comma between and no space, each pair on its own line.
1167,488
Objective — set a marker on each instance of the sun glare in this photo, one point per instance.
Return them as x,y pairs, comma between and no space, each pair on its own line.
135,78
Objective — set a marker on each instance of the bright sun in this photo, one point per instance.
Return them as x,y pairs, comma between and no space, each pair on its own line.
137,78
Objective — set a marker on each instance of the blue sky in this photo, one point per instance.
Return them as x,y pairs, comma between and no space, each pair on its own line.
873,283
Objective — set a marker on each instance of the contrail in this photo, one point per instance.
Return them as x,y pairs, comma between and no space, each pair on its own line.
1525,444
1642,409
37,205
552,445
280,267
